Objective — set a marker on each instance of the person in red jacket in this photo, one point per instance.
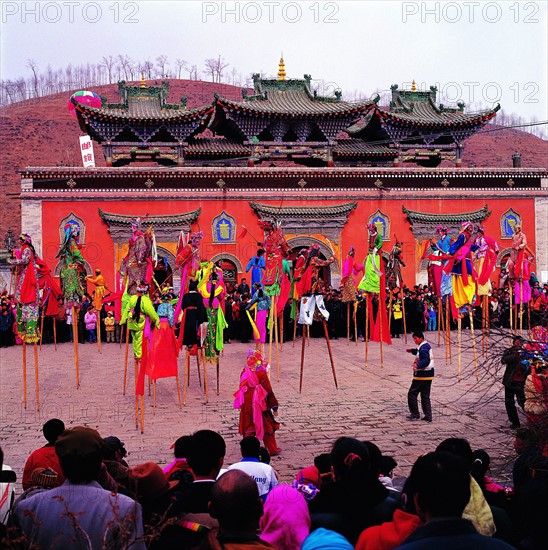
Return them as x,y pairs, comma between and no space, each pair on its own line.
45,457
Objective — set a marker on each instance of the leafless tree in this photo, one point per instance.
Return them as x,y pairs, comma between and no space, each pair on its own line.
124,62
161,62
109,63
33,66
181,65
211,68
147,67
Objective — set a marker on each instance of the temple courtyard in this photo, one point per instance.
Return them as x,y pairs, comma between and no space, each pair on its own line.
370,402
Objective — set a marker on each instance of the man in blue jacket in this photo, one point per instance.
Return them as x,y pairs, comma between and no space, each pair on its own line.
423,374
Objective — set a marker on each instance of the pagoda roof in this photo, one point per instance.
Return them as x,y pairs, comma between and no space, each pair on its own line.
143,103
116,220
426,217
292,98
216,146
355,147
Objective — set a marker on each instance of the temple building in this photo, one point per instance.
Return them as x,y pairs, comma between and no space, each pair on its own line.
322,166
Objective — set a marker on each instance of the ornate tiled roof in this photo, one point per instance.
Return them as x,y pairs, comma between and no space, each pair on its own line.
359,148
213,146
267,211
166,228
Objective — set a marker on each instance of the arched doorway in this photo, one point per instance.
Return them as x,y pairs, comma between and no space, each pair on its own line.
163,271
230,265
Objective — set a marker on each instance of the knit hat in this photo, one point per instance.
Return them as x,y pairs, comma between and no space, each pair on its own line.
44,477
149,482
325,539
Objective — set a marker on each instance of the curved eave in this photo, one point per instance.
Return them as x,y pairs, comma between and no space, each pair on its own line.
422,217
112,219
246,108
303,211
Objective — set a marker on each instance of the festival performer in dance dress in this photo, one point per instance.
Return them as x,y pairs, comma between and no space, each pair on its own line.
26,290
164,349
72,261
257,403
257,265
485,258
394,278
136,267
194,315
263,303
100,289
460,267
188,261
349,289
442,280
213,293
518,265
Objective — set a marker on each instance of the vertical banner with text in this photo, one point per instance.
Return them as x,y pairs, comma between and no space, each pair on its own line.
86,148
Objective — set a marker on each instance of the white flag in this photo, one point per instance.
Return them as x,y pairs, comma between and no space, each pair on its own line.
86,148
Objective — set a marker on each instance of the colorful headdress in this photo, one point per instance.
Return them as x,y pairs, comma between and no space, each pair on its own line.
441,229
480,229
255,360
372,227
25,237
142,288
196,236
466,226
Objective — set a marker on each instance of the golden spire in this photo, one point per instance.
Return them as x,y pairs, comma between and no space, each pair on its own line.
413,86
143,82
281,68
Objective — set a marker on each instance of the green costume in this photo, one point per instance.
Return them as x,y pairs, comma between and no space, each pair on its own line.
137,326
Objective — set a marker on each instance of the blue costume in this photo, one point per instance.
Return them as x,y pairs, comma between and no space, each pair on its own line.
257,264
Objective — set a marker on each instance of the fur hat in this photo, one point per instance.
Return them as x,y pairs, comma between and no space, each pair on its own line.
149,482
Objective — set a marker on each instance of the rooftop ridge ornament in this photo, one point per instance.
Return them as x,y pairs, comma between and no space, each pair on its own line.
143,81
281,68
413,86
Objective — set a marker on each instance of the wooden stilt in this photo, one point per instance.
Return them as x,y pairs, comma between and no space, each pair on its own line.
204,362
448,328
307,335
154,399
178,390
277,338
126,357
186,375
295,323
366,329
41,327
75,342
459,335
379,313
439,321
281,324
303,327
198,367
355,314
217,366
389,313
473,336
520,305
36,379
99,343
404,321
24,346
326,332
511,308
142,406
270,330
54,333
348,322
149,384
136,371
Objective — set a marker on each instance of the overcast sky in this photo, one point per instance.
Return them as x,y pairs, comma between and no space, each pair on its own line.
478,52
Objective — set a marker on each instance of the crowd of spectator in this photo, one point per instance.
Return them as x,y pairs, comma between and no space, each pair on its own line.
79,491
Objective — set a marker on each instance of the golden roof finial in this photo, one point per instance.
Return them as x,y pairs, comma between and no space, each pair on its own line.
143,82
413,86
281,68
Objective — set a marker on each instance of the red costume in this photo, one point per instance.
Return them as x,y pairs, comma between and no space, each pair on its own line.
257,403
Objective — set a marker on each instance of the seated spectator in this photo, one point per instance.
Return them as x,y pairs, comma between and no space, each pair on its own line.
325,539
286,520
477,510
42,479
355,499
113,458
391,534
80,513
263,474
442,491
494,493
178,469
526,446
206,454
236,505
45,457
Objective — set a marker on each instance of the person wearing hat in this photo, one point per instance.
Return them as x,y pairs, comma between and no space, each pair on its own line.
80,513
110,326
100,289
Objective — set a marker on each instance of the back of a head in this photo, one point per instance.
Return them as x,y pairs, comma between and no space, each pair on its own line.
441,482
350,460
388,463
80,452
182,446
235,502
480,465
459,447
52,429
250,447
375,458
527,437
206,451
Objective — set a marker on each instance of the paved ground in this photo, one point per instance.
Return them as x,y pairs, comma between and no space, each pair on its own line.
369,404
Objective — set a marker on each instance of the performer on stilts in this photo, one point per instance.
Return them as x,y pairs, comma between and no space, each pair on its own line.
257,403
349,291
257,265
374,283
276,250
164,349
51,293
188,261
261,302
137,309
485,258
394,281
213,293
312,304
464,284
27,311
443,285
519,270
98,294
72,280
136,267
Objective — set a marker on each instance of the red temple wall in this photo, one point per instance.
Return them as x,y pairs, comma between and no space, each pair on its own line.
99,249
